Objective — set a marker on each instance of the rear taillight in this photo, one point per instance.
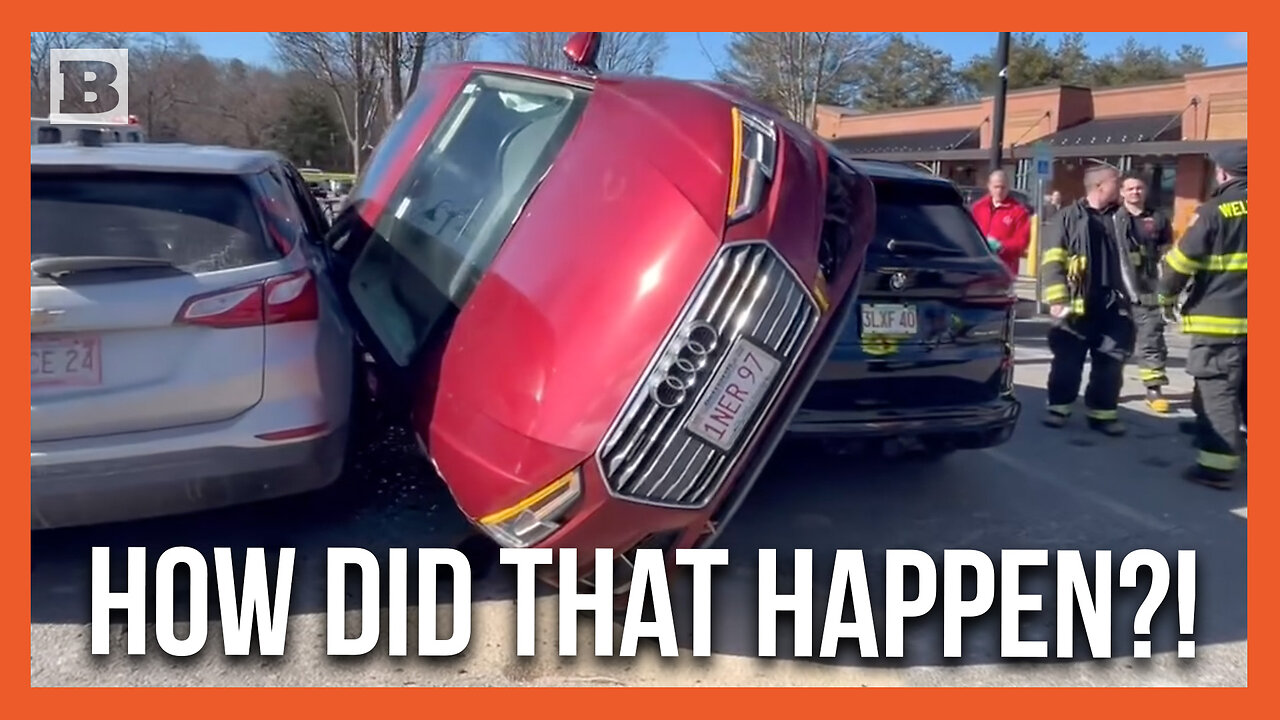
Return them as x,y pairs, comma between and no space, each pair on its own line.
291,298
281,299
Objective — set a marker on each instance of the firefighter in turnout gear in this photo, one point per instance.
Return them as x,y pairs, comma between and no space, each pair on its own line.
1090,285
1149,235
1213,256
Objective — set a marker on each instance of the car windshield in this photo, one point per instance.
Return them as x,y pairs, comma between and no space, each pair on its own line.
196,223
925,216
454,207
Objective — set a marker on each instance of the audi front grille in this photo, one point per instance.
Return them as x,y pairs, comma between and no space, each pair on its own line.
649,454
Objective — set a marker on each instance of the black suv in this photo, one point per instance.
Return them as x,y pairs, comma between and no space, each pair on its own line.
926,362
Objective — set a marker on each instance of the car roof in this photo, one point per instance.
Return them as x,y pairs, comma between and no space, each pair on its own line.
893,171
153,157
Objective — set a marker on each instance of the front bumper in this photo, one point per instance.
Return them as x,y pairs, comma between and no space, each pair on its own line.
604,521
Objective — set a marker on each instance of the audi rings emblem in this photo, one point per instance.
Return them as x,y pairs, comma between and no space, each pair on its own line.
898,281
688,355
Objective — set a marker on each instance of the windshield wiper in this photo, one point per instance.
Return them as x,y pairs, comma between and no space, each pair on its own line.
918,247
56,266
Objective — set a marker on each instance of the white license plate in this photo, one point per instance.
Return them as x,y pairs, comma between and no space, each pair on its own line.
734,395
896,320
66,360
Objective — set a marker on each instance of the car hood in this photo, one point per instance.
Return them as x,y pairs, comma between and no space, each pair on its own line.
586,286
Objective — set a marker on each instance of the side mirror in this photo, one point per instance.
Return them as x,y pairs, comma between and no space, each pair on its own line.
582,49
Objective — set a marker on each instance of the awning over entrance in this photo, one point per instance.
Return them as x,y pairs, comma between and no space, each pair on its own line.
1160,147
1135,135
1119,131
926,143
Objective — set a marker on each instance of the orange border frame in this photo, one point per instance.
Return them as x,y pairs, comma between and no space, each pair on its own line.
16,605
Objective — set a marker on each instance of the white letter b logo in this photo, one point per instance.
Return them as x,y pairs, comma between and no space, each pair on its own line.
89,85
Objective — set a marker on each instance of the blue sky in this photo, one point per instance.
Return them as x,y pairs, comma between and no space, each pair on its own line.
695,55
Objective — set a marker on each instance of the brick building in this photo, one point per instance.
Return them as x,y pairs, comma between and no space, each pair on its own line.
1163,131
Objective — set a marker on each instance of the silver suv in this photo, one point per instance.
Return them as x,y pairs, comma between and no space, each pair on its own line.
187,351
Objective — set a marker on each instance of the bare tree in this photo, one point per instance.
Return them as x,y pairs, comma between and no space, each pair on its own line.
165,71
797,71
632,53
456,46
248,102
539,49
409,52
628,53
349,65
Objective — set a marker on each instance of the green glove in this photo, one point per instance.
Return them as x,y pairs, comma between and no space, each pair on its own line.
994,244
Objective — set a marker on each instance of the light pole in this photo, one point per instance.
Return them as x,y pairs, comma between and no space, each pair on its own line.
1002,89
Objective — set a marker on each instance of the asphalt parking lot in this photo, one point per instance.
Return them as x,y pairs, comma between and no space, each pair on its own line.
1058,489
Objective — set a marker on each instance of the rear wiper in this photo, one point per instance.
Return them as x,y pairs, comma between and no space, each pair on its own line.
56,266
917,247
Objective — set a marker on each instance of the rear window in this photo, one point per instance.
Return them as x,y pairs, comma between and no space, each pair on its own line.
199,223
929,213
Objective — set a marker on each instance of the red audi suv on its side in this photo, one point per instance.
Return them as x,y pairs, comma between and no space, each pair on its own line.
597,300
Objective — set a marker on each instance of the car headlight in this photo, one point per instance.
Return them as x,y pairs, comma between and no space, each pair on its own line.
536,517
755,151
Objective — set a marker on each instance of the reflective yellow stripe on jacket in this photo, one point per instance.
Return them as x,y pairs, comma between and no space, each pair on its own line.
1181,263
1053,255
1210,325
1232,262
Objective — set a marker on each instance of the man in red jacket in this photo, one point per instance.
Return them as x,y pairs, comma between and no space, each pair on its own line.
1004,221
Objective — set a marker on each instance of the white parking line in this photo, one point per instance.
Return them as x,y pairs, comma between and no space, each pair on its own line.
1026,353
1242,512
1078,490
